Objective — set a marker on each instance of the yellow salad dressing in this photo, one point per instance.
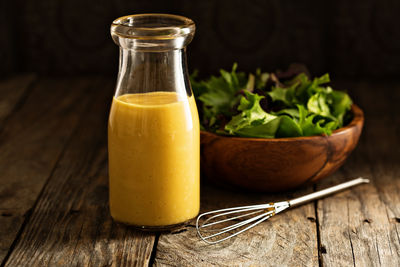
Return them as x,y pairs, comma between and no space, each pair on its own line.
153,144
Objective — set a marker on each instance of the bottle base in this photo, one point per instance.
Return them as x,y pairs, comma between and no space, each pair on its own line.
156,228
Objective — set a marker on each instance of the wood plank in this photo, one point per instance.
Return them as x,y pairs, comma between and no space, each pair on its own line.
360,227
71,224
12,90
354,230
31,142
289,239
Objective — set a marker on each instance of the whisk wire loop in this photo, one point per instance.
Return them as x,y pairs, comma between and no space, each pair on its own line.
205,224
266,210
218,217
258,220
224,212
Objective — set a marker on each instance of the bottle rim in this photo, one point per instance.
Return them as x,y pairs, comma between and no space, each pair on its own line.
152,26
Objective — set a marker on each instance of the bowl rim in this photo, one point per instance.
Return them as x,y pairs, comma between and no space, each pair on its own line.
358,120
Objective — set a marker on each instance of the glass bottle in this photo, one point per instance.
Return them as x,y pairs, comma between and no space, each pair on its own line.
153,130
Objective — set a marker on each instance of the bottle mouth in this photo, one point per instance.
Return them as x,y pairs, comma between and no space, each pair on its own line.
152,31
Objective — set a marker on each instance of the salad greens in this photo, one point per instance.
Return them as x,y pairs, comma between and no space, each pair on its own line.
269,105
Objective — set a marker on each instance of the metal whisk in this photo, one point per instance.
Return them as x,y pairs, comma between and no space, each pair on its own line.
220,225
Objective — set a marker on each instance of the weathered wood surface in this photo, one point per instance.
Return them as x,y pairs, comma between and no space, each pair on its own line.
31,142
70,224
54,200
12,92
361,227
289,239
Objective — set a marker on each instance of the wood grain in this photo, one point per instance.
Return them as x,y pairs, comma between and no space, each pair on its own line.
12,91
289,239
31,142
273,165
360,227
71,225
53,159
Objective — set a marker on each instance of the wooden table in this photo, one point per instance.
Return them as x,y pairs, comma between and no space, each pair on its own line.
54,191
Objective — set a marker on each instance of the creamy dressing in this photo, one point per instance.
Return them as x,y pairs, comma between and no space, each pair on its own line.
154,159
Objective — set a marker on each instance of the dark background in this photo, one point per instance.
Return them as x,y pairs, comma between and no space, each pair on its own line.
358,39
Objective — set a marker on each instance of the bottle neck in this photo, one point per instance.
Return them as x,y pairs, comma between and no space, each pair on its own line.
144,71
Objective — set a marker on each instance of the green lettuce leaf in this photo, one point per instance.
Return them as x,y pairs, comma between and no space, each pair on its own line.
253,121
218,95
292,112
288,127
229,104
340,104
317,104
265,130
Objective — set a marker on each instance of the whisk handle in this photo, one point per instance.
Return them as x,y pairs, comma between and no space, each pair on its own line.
327,191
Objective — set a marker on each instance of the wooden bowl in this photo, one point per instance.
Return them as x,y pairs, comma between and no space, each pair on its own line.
271,165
